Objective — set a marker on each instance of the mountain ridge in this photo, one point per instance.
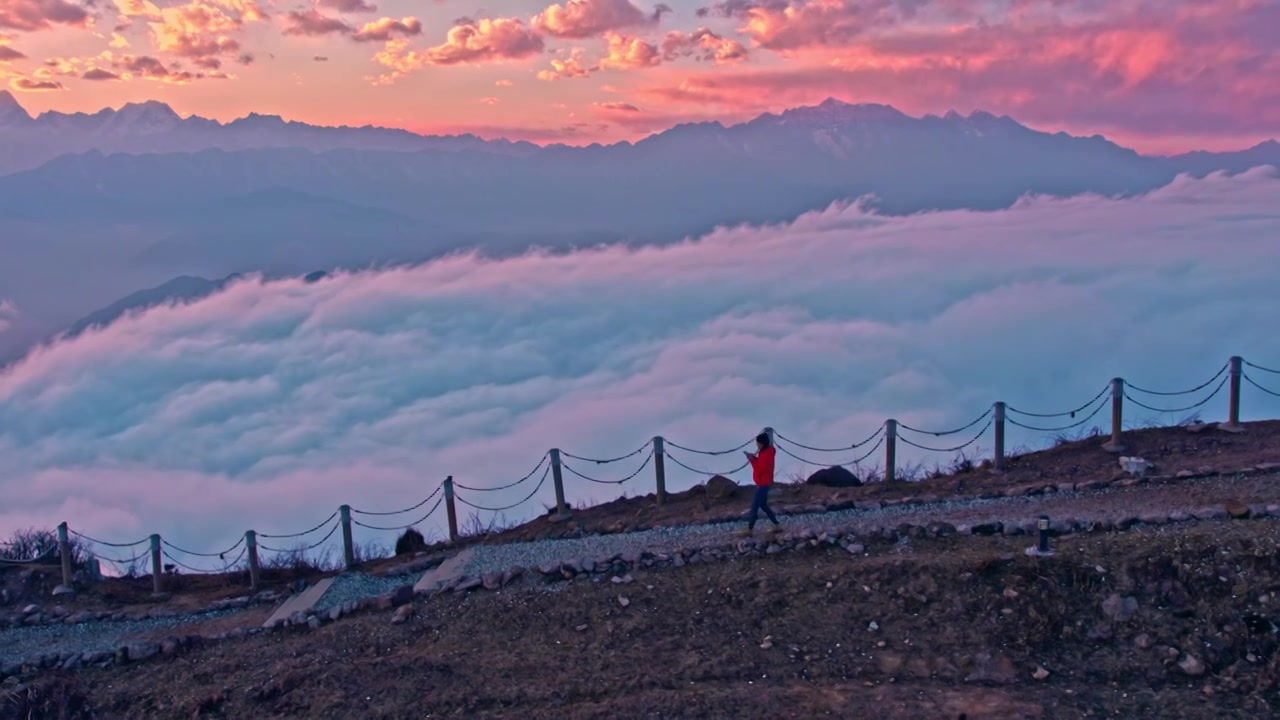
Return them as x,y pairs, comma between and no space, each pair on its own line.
153,126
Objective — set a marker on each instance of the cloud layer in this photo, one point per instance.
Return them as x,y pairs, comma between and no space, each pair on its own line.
269,404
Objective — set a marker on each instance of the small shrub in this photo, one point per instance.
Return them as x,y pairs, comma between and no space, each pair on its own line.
474,526
409,542
32,543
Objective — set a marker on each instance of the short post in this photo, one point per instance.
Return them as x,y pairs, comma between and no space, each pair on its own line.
450,510
660,467
251,549
998,460
64,552
1233,409
562,511
890,450
769,431
157,569
1042,545
348,546
1117,416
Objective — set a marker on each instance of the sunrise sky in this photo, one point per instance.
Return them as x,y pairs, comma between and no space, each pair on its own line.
1158,75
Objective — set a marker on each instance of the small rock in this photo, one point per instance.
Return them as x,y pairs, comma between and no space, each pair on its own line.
140,650
61,590
493,580
1142,641
1040,673
1192,666
873,626
1213,512
30,610
169,646
1119,609
1237,509
402,595
313,622
623,601
855,548
624,580
402,614
581,628
468,584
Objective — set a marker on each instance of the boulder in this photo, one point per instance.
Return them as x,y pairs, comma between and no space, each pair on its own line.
835,476
721,488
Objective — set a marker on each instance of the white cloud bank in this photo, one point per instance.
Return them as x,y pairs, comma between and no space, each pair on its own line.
8,314
269,404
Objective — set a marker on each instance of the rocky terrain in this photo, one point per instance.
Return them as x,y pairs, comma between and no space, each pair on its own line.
915,600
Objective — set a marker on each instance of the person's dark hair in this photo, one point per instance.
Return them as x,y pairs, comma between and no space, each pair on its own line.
763,439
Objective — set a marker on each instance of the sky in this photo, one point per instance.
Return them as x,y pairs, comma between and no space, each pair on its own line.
271,403
1157,75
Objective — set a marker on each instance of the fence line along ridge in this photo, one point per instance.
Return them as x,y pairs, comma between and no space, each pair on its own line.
657,451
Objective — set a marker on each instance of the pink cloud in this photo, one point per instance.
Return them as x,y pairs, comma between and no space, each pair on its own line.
31,15
571,66
313,23
1185,69
24,84
486,40
387,28
348,6
577,19
8,54
788,25
99,74
625,52
704,45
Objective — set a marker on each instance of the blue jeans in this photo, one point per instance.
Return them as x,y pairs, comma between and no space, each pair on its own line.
760,501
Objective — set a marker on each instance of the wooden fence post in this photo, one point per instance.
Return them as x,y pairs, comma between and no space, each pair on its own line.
1233,408
348,547
660,467
890,450
251,549
1117,416
998,461
64,552
562,510
450,510
157,567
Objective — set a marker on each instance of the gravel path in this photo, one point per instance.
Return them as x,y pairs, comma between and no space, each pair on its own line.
355,586
33,642
1109,504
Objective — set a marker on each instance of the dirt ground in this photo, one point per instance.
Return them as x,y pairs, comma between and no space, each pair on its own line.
1175,621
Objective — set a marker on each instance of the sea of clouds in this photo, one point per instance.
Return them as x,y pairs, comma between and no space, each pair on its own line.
268,405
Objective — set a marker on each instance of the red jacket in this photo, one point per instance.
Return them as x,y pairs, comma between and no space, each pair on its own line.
762,466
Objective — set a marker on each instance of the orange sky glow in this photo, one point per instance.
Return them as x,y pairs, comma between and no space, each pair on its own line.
1157,76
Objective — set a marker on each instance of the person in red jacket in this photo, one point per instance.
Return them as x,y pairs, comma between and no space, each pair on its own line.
762,474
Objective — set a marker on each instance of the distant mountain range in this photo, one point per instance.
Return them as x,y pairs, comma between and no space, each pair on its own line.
153,127
456,191
136,196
